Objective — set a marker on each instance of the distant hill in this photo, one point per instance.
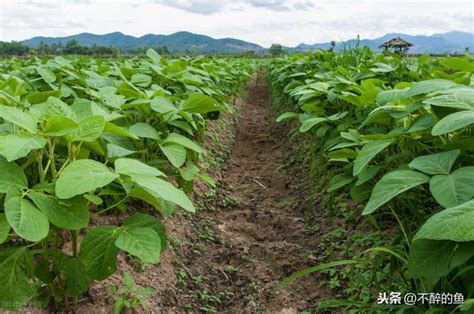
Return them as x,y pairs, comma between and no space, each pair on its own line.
178,42
451,42
438,43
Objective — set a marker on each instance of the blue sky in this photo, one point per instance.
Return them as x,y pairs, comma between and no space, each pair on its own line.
288,22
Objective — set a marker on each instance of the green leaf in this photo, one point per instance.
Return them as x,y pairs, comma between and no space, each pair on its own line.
109,127
143,243
391,95
455,188
40,97
428,86
15,269
165,190
338,181
176,154
162,105
287,115
4,228
440,163
367,174
453,224
139,220
27,221
367,153
15,146
154,56
76,277
457,63
457,98
198,103
430,258
72,214
59,126
47,75
144,130
11,175
453,122
309,123
53,107
18,117
99,253
82,176
133,167
89,129
392,184
174,138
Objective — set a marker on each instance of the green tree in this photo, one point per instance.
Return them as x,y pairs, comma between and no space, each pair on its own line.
275,50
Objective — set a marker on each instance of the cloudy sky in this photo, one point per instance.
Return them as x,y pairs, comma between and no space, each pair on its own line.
288,22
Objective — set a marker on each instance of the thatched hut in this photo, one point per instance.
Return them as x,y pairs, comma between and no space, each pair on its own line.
398,45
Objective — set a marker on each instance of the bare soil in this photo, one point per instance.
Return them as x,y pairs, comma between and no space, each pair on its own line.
257,237
249,235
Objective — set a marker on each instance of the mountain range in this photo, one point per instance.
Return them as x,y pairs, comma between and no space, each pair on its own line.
451,42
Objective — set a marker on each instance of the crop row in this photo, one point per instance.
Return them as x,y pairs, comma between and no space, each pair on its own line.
82,137
398,134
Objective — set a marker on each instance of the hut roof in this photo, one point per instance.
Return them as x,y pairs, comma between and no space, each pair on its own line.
396,42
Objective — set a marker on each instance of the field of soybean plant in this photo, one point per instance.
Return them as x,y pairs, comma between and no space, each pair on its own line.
395,135
308,183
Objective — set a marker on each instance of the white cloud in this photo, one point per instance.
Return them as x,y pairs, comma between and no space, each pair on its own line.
289,22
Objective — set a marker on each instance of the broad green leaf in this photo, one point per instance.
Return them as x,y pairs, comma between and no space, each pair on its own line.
144,130
287,115
146,196
82,176
162,105
455,188
430,258
453,122
141,80
133,167
72,214
40,97
165,190
367,153
89,129
45,73
367,174
176,154
440,163
198,103
53,107
99,253
338,181
453,224
457,98
11,175
428,86
114,150
309,123
154,56
27,221
112,128
16,287
4,228
392,184
175,138
139,220
59,126
75,276
387,96
18,117
15,146
143,243
457,63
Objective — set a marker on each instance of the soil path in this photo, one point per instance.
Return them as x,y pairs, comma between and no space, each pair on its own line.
257,240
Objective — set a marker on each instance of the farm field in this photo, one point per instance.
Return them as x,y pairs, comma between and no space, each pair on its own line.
318,182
